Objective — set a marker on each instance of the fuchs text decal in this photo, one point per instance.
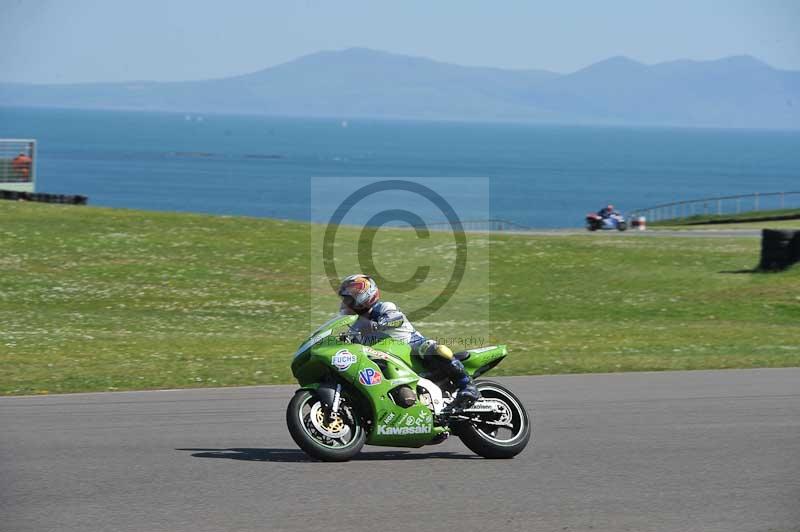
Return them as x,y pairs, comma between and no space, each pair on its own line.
369,377
343,359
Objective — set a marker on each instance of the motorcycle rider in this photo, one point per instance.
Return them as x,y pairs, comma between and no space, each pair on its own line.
382,319
606,211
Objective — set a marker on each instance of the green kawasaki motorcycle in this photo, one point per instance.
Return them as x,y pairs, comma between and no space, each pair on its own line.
351,394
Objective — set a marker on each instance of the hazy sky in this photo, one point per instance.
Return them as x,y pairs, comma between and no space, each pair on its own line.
115,40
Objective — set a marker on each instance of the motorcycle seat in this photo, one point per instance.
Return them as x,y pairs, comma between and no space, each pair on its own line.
461,355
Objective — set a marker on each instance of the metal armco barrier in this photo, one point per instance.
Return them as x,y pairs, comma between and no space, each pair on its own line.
481,226
720,206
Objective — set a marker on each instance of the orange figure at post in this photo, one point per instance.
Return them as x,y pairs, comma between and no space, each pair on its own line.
22,166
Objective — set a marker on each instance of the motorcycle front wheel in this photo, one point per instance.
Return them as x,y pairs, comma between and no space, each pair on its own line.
336,439
499,438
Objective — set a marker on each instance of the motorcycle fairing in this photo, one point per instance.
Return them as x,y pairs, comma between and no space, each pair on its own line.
392,424
480,360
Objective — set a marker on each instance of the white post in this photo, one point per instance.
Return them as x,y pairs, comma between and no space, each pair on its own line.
33,166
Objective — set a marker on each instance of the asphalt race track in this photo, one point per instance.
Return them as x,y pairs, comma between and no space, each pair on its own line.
678,451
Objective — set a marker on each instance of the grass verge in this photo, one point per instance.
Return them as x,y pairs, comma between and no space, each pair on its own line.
95,299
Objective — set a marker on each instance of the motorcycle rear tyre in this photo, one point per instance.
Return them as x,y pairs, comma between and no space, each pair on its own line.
483,445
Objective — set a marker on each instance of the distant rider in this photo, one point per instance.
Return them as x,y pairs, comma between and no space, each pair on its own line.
21,165
606,211
381,319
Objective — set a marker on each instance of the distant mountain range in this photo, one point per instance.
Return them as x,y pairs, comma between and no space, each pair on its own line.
734,92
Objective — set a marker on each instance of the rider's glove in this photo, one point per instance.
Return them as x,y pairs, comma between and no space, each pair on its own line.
389,321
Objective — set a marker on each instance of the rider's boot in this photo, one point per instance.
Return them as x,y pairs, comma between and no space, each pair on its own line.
442,358
467,391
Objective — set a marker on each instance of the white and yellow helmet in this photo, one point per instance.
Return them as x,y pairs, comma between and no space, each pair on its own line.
359,292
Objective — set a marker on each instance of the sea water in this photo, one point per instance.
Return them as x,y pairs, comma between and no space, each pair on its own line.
539,175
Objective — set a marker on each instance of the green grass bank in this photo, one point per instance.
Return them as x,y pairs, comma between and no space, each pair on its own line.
95,299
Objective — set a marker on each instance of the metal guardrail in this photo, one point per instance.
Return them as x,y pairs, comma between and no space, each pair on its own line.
481,225
722,205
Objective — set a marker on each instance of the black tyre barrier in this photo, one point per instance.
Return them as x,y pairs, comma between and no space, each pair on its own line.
70,199
779,249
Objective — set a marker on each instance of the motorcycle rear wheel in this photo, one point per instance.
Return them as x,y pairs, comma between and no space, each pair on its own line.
484,439
306,435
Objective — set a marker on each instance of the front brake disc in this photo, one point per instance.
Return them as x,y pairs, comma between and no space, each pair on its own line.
335,429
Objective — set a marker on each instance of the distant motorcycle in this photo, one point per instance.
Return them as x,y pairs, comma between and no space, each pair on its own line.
614,221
